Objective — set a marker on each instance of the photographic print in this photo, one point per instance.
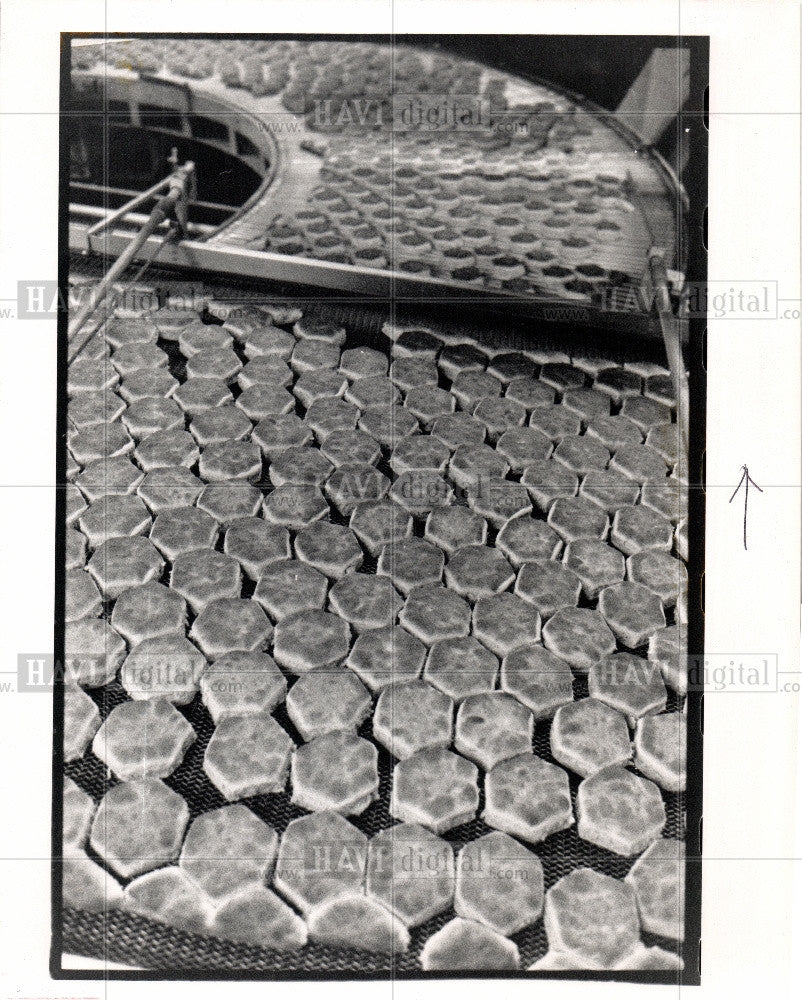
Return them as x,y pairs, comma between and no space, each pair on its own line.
382,413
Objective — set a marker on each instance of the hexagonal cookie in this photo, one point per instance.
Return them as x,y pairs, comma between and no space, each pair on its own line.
87,408
645,413
330,548
555,422
499,500
412,716
165,448
226,849
182,530
147,382
139,825
668,497
454,526
475,571
619,811
529,392
356,921
231,624
199,394
326,700
231,460
345,446
411,872
386,655
114,517
81,598
614,432
579,636
81,721
75,549
432,612
548,586
575,517
658,878
548,481
503,622
332,414
78,810
421,491
262,402
256,916
586,403
471,465
203,576
469,387
668,649
337,771
377,523
588,735
121,563
354,483
526,539
592,917
419,451
99,441
92,651
629,684
266,369
661,573
638,528
147,612
169,897
538,679
362,362
411,562
464,945
632,611
302,465
109,477
321,857
660,749
293,506
427,403
133,356
610,490
85,375
521,446
365,601
87,886
151,414
407,373
169,488
309,639
499,884
248,755
499,415
229,500
456,358
639,463
199,337
595,563
289,586
492,727
167,667
435,788
455,429
275,433
143,739
242,683
256,544
460,667
373,392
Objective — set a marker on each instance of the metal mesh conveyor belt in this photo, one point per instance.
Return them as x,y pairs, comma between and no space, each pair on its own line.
124,937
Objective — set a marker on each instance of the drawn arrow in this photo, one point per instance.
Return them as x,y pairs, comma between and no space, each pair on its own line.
745,480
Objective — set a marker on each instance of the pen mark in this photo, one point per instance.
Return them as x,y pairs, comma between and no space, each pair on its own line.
745,480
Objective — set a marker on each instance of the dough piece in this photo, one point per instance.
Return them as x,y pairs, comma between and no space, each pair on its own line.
242,683
461,667
527,797
310,639
248,755
466,946
81,721
324,701
492,727
143,739
660,749
385,656
658,878
168,896
538,679
411,717
588,735
619,811
227,849
256,916
435,788
357,921
410,871
337,771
